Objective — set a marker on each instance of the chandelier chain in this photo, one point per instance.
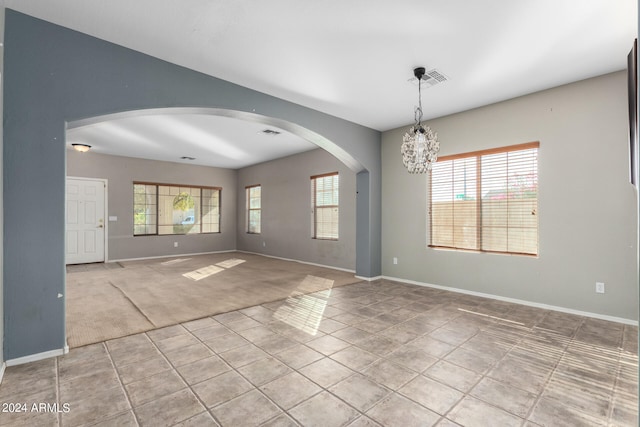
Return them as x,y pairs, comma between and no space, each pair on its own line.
417,115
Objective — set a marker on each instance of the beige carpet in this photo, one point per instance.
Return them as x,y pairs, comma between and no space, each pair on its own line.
106,301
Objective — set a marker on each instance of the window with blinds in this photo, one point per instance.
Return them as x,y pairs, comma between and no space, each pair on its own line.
325,209
254,195
486,200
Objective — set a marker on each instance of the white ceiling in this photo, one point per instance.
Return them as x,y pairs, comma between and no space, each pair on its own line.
353,59
224,142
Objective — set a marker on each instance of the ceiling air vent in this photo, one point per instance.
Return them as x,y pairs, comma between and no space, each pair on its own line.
271,132
431,78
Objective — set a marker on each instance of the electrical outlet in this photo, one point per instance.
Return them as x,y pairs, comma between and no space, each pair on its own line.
600,287
395,261
175,244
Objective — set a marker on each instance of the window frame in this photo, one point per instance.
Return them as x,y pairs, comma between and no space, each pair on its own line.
249,209
200,208
479,202
314,206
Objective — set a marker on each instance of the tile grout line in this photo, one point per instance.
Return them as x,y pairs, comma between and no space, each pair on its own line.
615,387
175,370
124,390
285,411
385,358
553,371
521,339
231,368
323,389
381,358
482,376
618,374
59,415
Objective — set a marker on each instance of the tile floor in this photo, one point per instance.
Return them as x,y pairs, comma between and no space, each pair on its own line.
368,354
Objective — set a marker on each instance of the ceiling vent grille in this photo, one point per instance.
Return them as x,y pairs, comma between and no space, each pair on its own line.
430,78
271,132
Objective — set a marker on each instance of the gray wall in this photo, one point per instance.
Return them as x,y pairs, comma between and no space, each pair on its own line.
286,210
587,207
122,171
54,75
1,198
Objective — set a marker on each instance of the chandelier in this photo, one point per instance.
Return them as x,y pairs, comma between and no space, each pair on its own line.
420,144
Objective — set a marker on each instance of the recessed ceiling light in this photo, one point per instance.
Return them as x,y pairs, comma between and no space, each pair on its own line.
187,158
271,132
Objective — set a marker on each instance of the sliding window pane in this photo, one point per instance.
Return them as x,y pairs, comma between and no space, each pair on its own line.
210,210
144,209
254,209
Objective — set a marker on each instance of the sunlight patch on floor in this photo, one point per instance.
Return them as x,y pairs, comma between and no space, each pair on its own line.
175,261
230,263
488,316
305,311
203,273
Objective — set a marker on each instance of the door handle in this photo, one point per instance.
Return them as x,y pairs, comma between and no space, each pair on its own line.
100,226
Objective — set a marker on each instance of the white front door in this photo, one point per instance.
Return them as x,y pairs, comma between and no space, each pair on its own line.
85,208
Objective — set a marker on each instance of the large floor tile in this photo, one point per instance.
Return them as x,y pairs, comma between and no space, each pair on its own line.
264,370
452,375
289,390
389,374
511,399
249,409
154,387
169,410
431,394
399,411
221,388
359,392
298,356
473,412
551,413
325,410
326,372
100,405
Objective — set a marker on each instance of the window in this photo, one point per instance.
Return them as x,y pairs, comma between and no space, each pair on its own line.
486,200
324,190
254,194
145,210
161,209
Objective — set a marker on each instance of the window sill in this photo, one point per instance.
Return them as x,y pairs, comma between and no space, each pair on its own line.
473,251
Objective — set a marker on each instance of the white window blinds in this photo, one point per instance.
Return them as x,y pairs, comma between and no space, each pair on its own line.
325,209
486,200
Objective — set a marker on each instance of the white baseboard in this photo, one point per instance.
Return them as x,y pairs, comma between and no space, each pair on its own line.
301,262
2,368
519,301
369,279
171,256
38,356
